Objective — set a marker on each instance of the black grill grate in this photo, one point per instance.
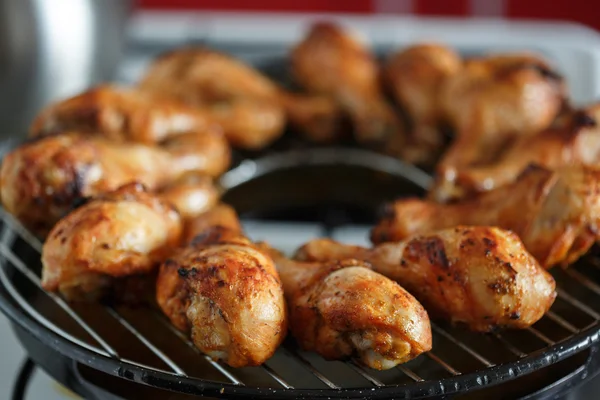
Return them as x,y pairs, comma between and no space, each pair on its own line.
139,344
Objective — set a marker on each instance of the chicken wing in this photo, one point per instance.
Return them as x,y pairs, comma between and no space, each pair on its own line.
343,309
555,213
109,241
240,99
225,291
122,115
415,77
494,99
40,180
331,62
482,277
575,142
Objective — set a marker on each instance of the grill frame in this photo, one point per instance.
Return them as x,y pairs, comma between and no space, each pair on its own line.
17,311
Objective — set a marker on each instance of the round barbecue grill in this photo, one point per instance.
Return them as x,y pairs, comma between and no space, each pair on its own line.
113,351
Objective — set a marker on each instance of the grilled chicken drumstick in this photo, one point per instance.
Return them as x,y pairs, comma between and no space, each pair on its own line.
482,277
116,237
225,291
343,309
121,114
575,142
331,62
415,77
493,100
238,98
555,213
41,180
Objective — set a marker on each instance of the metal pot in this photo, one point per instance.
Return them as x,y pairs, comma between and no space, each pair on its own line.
53,49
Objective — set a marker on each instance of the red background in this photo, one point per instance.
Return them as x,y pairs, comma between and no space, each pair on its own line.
583,11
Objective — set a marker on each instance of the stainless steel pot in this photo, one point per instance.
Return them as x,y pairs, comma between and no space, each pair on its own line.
54,48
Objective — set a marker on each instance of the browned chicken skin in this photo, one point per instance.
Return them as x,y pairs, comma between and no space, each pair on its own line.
238,98
220,215
482,277
225,291
575,142
414,77
343,309
119,235
192,195
41,179
331,62
555,213
319,118
120,114
494,99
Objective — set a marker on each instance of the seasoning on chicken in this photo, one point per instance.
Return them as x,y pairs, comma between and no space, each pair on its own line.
576,141
343,309
332,63
226,292
240,99
114,240
121,114
493,100
555,213
40,180
482,277
415,77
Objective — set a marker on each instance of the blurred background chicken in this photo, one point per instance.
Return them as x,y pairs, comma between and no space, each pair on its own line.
414,77
225,292
237,97
555,213
493,100
114,240
343,309
41,180
121,114
331,62
482,277
573,141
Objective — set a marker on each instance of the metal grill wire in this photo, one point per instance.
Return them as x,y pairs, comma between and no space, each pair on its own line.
573,312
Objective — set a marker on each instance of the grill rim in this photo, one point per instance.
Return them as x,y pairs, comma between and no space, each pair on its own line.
485,377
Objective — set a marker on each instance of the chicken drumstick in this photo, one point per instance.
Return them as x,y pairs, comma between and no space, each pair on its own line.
225,291
482,277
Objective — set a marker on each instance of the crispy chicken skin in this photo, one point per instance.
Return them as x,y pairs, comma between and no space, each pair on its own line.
494,99
120,114
41,179
555,213
225,291
414,77
192,195
344,309
125,233
482,277
575,142
330,62
238,98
